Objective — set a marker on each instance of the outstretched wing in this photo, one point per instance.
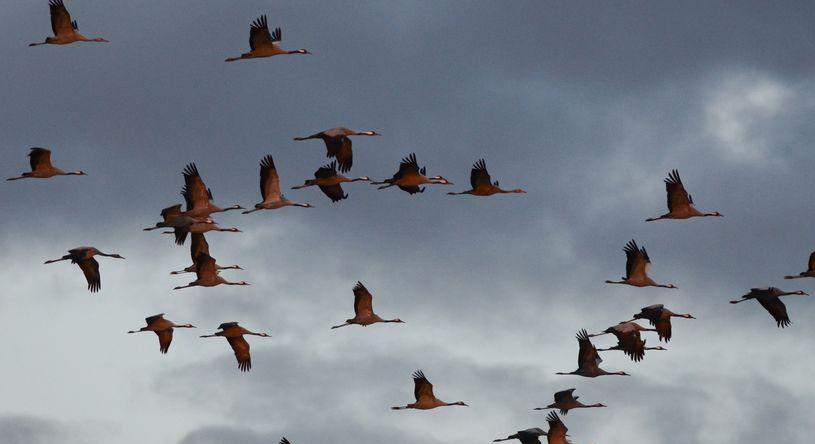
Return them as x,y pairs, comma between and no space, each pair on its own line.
269,180
195,191
811,266
39,158
165,337
363,301
663,327
678,198
407,166
60,18
334,192
557,430
151,319
564,395
259,33
339,147
422,388
326,171
241,349
777,310
587,355
91,270
479,174
636,260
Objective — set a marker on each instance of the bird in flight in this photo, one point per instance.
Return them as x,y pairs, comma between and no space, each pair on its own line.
83,256
198,197
330,182
234,335
338,144
65,30
423,391
770,299
410,176
363,309
206,272
680,203
637,264
264,44
629,340
41,168
200,245
482,184
565,401
163,328
660,318
528,436
270,189
588,360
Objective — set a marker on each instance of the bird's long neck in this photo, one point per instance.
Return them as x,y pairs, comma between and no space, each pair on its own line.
453,193
616,282
184,326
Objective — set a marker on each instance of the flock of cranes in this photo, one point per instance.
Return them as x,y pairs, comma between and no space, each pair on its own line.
195,219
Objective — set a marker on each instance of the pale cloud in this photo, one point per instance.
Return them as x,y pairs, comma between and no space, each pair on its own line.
740,113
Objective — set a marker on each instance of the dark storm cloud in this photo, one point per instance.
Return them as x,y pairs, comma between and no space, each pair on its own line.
585,105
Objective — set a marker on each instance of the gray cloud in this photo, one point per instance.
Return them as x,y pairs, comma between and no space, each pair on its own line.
586,106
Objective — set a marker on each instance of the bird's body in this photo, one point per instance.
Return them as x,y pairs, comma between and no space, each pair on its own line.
680,203
588,359
330,182
636,268
163,328
769,298
41,167
629,340
264,44
660,318
810,272
198,197
234,335
528,436
423,392
200,245
270,189
338,144
410,177
482,184
565,401
363,309
206,272
83,257
65,30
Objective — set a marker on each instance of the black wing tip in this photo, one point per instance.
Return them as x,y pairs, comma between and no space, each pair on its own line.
480,164
418,374
553,417
359,286
582,335
245,366
267,161
191,170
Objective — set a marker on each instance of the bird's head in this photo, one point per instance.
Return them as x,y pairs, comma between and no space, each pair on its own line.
79,173
716,214
117,256
302,51
364,178
688,316
659,347
243,283
441,180
399,321
369,133
234,230
265,335
186,326
671,286
461,403
518,190
801,293
100,40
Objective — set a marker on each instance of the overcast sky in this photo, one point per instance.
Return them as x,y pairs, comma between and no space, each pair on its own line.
586,105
